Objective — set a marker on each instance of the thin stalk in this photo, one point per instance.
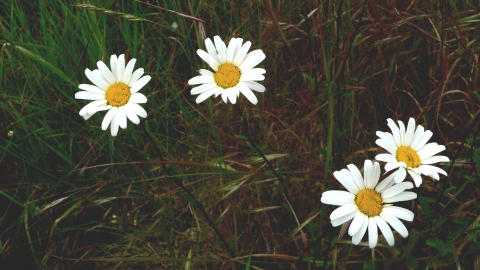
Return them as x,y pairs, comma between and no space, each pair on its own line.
196,203
247,135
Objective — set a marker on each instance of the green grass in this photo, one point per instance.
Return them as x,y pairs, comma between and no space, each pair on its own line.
72,196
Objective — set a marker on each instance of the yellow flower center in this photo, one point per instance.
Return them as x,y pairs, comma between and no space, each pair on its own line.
118,94
227,75
409,156
369,202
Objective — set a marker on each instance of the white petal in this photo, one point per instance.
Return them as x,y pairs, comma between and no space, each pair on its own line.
337,197
91,88
435,159
138,98
87,116
203,96
400,175
258,70
385,229
345,178
341,220
252,59
107,74
431,171
96,78
121,116
200,80
113,66
212,51
410,131
372,233
388,145
376,172
251,75
206,72
398,212
232,45
360,233
224,97
396,189
248,94
423,140
121,69
385,183
91,105
135,76
254,86
240,56
356,175
232,95
395,223
402,132
202,88
139,110
416,177
208,59
131,114
115,124
108,118
89,95
404,196
386,158
417,136
238,46
139,84
102,107
357,223
369,174
127,74
429,150
394,165
343,211
221,49
395,132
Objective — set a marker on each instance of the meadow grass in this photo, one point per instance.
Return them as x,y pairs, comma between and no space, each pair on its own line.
188,187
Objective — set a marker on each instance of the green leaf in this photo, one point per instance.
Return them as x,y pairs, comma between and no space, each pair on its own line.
449,189
242,137
321,150
412,262
461,220
424,203
44,63
440,245
471,178
309,78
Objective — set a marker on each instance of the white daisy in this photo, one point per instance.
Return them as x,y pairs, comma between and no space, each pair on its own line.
234,72
409,151
367,202
116,91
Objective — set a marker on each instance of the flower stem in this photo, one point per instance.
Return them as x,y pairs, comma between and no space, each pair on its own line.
196,203
247,135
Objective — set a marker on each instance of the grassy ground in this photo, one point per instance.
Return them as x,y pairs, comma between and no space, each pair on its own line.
72,196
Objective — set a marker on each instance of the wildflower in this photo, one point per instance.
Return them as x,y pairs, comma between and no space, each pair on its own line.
115,90
233,71
368,203
409,151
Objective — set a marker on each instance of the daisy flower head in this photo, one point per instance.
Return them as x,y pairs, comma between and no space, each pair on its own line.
409,151
368,203
234,71
116,90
